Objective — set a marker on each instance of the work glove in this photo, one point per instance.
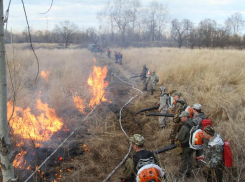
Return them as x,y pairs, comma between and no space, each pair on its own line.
179,151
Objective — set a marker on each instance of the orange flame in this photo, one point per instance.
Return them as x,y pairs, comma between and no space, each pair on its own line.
79,103
98,85
38,128
45,75
85,147
19,160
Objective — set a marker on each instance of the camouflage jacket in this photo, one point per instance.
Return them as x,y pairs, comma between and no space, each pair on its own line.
178,108
184,133
163,102
213,151
197,119
143,73
152,79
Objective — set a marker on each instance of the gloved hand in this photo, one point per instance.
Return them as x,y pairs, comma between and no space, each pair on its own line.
179,150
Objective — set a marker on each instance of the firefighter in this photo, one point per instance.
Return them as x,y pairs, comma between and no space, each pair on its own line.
116,57
213,155
144,74
101,50
132,166
152,80
184,150
147,76
179,106
163,108
120,57
108,53
197,119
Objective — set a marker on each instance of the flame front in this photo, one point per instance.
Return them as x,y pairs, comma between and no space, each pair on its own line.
36,128
19,160
98,85
79,103
45,75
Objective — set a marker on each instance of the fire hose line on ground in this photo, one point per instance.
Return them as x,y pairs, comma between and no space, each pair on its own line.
120,121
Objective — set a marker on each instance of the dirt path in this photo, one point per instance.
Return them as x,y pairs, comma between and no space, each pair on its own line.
107,145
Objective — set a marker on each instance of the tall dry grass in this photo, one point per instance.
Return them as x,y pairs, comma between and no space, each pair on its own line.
69,71
214,78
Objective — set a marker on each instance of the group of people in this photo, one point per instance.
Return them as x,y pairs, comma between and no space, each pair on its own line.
149,78
118,57
97,48
185,118
209,156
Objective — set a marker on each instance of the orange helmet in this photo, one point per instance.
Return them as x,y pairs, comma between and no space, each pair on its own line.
150,174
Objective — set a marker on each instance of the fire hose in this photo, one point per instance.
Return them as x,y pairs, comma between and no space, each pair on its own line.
120,122
149,109
160,114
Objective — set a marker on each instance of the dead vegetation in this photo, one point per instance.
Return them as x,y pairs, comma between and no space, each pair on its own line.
214,78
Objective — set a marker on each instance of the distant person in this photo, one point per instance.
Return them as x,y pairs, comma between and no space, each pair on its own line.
108,53
101,50
120,57
152,81
144,73
213,155
163,108
116,57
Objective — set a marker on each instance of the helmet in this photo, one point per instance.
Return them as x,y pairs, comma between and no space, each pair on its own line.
197,106
149,174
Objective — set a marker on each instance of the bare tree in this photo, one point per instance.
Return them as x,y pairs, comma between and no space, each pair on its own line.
235,23
180,31
122,15
207,29
66,30
135,6
5,146
162,17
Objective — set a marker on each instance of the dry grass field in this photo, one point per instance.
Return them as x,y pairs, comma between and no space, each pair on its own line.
213,78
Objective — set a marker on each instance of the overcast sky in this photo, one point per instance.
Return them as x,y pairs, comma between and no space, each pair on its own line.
83,12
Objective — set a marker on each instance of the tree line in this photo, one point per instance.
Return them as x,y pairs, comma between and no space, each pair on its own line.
129,23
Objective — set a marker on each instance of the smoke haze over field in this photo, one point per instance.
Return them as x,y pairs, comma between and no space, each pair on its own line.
83,13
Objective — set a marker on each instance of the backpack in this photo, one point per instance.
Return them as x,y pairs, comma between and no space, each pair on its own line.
143,162
150,173
227,154
196,138
206,122
184,104
189,110
196,134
